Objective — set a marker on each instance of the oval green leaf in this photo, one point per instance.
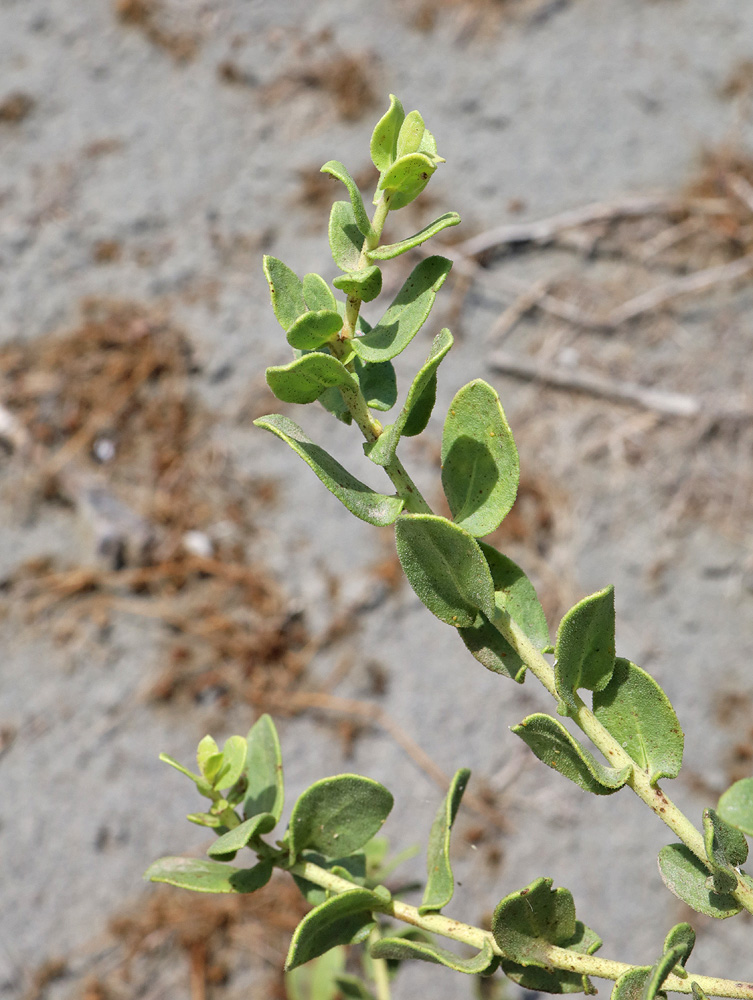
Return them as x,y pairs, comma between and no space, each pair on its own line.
209,876
406,179
343,919
314,329
384,137
686,877
336,169
239,836
631,984
726,849
364,284
584,942
528,920
306,378
407,313
638,714
414,416
345,238
585,646
480,466
233,761
399,949
317,293
736,805
338,815
265,792
378,383
445,567
440,883
375,508
410,135
286,290
555,747
390,250
515,594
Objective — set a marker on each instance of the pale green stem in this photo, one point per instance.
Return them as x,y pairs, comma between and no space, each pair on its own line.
551,955
380,969
639,781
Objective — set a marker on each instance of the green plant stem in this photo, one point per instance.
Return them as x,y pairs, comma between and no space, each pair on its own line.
639,781
380,969
551,955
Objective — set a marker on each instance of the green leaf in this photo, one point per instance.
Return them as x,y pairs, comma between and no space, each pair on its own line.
406,179
353,988
332,401
726,849
237,838
384,137
440,884
400,949
416,411
698,993
390,250
446,568
554,745
352,868
364,284
345,238
208,757
286,289
736,805
410,135
584,942
336,169
631,984
233,762
529,920
638,714
338,815
202,785
306,378
407,313
319,979
585,646
375,508
515,594
343,919
664,967
205,819
480,467
682,938
686,877
317,293
265,792
209,876
378,383
314,329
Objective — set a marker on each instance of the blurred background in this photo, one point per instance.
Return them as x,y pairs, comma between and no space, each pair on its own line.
166,569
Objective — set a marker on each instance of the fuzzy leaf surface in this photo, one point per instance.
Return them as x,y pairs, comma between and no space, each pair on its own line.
400,949
343,919
445,567
480,467
375,508
338,815
736,805
345,238
286,289
239,836
317,293
415,413
407,313
681,936
336,169
531,977
440,883
686,877
515,594
726,849
314,329
631,984
265,792
306,378
378,383
555,747
384,136
364,284
585,646
638,714
406,178
528,920
390,250
209,876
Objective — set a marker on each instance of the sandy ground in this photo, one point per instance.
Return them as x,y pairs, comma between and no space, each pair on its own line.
151,152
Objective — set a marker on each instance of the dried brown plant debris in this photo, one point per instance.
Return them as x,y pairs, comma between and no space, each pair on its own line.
15,107
151,19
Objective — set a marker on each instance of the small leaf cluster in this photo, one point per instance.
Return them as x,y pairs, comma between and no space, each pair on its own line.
635,738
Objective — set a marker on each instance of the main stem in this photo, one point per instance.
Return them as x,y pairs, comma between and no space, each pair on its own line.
553,956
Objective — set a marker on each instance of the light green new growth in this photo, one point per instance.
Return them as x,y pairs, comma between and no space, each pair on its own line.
329,846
